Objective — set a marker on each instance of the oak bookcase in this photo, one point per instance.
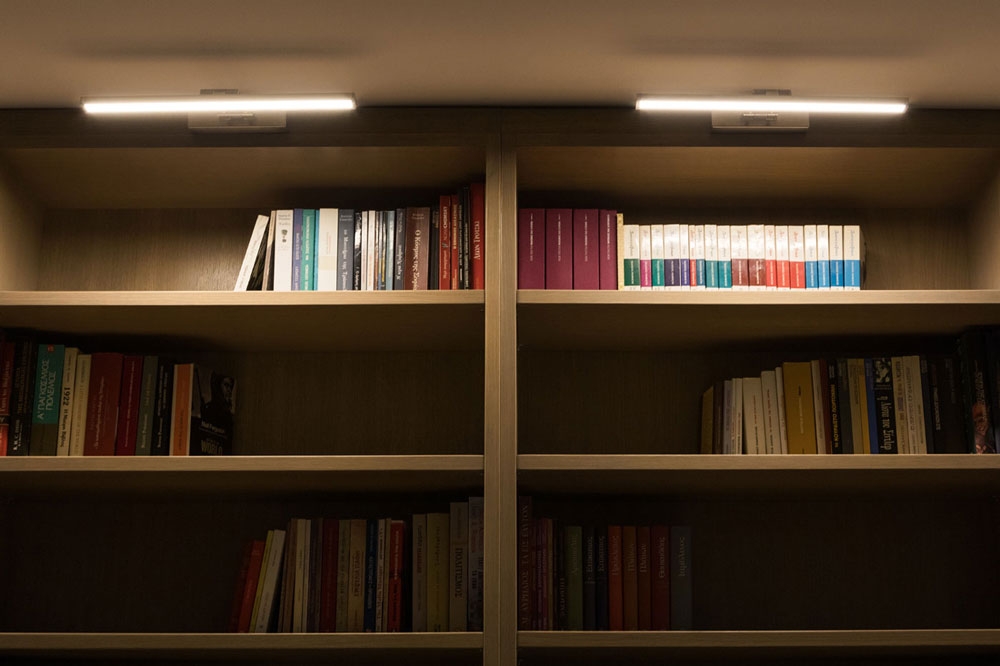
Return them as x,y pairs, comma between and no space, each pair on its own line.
129,234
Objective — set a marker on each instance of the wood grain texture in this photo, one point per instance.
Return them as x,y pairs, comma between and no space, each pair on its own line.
984,230
20,234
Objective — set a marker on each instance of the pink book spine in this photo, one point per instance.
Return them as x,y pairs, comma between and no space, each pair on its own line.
586,270
531,248
608,248
559,248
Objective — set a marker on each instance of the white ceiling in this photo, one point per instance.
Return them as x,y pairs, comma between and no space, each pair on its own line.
492,52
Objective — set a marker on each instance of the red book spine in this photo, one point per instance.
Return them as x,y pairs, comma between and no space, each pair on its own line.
394,621
586,269
770,273
616,620
644,588
6,384
456,241
797,276
784,278
559,248
660,602
607,246
328,579
128,406
477,196
630,580
531,248
102,404
741,272
250,589
757,272
444,262
525,572
241,583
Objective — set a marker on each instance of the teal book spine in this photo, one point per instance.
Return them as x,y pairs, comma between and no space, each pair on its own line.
307,279
48,395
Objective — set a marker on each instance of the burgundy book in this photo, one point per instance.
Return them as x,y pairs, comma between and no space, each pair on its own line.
478,198
456,241
524,563
6,384
643,568
418,238
531,248
444,263
607,247
559,248
328,578
128,406
396,564
586,255
540,621
659,546
241,582
616,620
102,404
630,579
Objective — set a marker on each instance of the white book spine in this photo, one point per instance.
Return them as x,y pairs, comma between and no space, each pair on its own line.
271,571
657,256
632,249
78,430
852,257
914,405
836,257
698,255
809,236
779,380
283,250
66,401
769,396
797,255
711,256
737,444
253,249
817,385
645,257
458,578
740,253
770,258
781,255
725,260
684,252
823,255
327,226
756,256
671,248
620,250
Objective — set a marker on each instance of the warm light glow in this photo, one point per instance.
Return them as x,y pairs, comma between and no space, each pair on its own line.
218,104
770,104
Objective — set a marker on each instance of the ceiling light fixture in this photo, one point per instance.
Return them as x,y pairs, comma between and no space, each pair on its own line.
768,109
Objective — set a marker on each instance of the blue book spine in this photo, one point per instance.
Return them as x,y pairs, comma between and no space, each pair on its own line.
823,270
308,263
725,275
812,275
297,250
852,274
371,573
685,271
345,249
872,417
836,273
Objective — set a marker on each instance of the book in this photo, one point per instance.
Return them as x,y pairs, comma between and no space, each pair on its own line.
811,256
799,413
754,434
163,408
525,561
740,253
620,249
343,575
272,571
820,405
81,394
328,250
396,571
356,576
267,273
872,431
49,361
586,259
769,400
757,257
630,579
779,380
22,395
344,249
531,253
147,403
283,239
357,281
859,406
574,577
328,581
846,406
782,268
418,611
458,569
607,248
884,407
254,567
725,260
416,248
899,405
601,584
438,542
644,580
659,537
298,238
796,257
823,256
770,258
7,354
616,618
476,562
631,249
128,405
372,551
657,257
381,574
212,411
833,398
972,349
645,257
852,256
102,403
947,412
241,580
836,243
711,256
680,579
66,392
697,236
684,249
286,608
477,220
457,220
589,574
254,255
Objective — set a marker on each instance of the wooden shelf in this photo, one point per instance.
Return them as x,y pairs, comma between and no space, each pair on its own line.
702,319
597,645
259,321
238,475
403,647
686,475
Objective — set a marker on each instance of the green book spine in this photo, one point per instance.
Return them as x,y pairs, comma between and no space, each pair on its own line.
711,274
574,577
48,396
308,265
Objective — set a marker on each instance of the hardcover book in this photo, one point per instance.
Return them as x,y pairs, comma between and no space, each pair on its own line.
102,405
799,413
660,597
680,579
644,587
586,268
47,396
213,412
327,249
531,248
477,196
128,406
607,246
630,579
147,406
573,565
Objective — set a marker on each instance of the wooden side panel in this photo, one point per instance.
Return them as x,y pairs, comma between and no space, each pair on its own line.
20,235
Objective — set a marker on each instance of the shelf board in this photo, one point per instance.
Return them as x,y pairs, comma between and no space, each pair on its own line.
597,645
762,475
259,321
256,647
238,475
701,319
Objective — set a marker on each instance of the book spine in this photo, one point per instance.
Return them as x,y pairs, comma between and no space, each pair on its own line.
381,577
67,390
309,244
680,579
328,581
601,575
102,407
607,247
846,406
81,400
259,589
586,268
823,256
357,576
900,406
725,257
418,611
616,618
147,406
359,250
128,407
524,564
819,405
769,397
476,562
812,269
589,547
283,240
250,588
417,248
620,249
836,243
559,577
399,250
531,248
437,571
852,257
180,415
458,579
660,596
740,252
285,609
796,257
914,402
456,241
770,258
22,397
645,257
644,578
342,574
394,601
297,249
885,411
371,572
393,241
47,396
657,257
477,195
558,248
630,580
241,581
345,249
683,247
781,265
272,570
711,256
799,412
7,354
757,257
327,259
163,408
632,281
574,577
836,430
859,406
928,405
698,256
672,256
873,429
257,238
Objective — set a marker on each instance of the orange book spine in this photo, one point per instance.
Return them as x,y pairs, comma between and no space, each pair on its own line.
630,600
181,417
615,617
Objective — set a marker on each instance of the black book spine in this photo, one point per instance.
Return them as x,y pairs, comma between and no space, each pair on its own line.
22,396
434,258
836,439
559,576
844,398
946,399
601,579
357,249
465,213
345,249
589,580
976,392
885,408
160,444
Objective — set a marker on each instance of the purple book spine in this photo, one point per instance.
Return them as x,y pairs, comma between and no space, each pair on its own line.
531,248
586,271
559,248
608,249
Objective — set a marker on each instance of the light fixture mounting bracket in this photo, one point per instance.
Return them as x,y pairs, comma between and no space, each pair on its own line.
767,121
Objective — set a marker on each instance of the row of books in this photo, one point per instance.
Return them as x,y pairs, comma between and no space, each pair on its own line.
913,404
562,248
602,577
346,249
56,400
372,575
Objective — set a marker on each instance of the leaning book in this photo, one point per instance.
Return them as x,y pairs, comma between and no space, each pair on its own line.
213,410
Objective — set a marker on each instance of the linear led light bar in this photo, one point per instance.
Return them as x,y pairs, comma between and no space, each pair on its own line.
769,104
218,104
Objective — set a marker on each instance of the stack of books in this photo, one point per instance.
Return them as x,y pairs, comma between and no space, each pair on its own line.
56,400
